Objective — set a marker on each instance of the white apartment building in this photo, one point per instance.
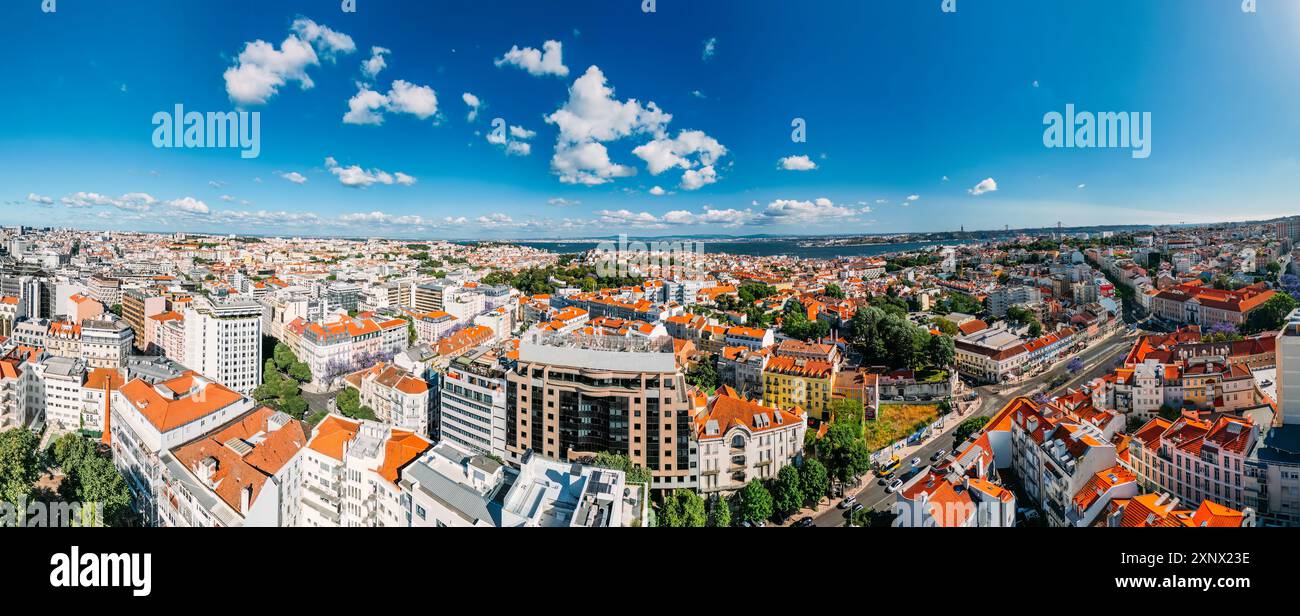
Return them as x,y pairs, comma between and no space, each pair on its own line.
398,398
449,486
1003,298
223,341
472,412
740,440
1054,456
148,420
244,473
351,470
334,348
106,342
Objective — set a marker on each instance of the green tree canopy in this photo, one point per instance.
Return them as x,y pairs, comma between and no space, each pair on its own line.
787,493
814,480
755,502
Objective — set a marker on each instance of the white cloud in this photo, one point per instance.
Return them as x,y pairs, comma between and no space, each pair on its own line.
694,179
293,176
190,205
382,218
329,42
39,199
658,191
985,186
420,101
805,212
1082,186
913,197
473,103
560,201
362,106
135,202
710,48
495,220
216,183
261,69
547,62
376,62
662,154
797,163
698,94
519,132
227,198
592,116
404,97
355,177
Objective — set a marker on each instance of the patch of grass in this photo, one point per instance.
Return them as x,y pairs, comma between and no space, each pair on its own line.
931,375
896,421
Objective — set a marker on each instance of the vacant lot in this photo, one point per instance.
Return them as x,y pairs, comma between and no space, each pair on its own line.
896,421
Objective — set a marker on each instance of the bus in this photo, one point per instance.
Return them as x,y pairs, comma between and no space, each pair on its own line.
889,467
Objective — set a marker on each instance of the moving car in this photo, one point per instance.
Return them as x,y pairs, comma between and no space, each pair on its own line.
938,455
893,485
804,521
848,502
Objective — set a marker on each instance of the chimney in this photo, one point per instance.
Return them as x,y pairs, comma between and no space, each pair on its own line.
245,498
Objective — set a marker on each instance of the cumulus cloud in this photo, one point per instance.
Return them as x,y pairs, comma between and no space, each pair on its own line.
356,177
39,199
371,67
261,69
797,163
985,186
593,116
805,212
514,140
658,191
473,103
190,205
710,48
913,197
367,106
136,202
293,176
382,218
548,61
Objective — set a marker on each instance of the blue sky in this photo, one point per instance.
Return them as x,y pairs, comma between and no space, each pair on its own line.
900,100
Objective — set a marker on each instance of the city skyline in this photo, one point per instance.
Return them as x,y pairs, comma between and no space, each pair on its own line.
383,122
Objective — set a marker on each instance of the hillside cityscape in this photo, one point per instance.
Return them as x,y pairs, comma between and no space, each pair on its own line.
1057,379
646,263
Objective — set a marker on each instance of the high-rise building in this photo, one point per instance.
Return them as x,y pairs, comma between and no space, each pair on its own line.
568,403
473,409
223,341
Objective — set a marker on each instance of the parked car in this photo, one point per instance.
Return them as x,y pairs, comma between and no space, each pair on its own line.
804,521
848,502
893,485
938,455
916,462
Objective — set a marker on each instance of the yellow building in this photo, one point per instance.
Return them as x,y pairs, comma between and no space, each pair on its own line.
793,381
